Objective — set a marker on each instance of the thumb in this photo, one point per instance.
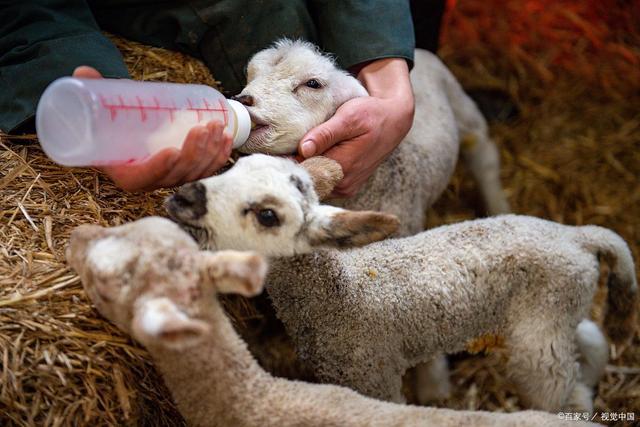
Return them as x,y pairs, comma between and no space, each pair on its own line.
86,72
324,136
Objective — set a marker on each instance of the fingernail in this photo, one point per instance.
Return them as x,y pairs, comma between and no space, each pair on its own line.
308,148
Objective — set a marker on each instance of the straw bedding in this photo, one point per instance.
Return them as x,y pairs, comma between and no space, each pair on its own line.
573,156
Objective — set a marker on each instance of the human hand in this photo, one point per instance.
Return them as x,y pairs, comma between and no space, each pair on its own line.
205,150
364,131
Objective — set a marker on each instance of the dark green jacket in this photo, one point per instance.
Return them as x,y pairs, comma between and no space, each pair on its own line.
43,40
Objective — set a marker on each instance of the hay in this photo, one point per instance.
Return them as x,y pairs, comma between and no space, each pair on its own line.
61,363
573,156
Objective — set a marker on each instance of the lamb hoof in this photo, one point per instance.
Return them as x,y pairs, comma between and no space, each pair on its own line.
498,206
580,400
434,393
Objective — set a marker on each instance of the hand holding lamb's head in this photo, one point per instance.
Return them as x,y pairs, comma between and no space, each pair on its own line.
291,88
269,204
150,279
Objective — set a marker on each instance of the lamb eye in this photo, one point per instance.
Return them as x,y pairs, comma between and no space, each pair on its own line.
267,218
313,84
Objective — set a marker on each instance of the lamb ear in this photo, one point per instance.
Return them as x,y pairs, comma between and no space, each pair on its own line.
325,173
341,228
78,242
160,321
235,272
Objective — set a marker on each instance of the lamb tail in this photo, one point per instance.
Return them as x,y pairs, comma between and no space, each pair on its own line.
620,319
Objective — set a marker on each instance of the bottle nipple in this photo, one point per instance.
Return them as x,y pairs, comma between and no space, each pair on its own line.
243,123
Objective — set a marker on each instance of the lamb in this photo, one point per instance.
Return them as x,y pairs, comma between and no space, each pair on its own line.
149,278
292,87
284,106
361,316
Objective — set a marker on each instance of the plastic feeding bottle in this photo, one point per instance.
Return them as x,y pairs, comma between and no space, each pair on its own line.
86,122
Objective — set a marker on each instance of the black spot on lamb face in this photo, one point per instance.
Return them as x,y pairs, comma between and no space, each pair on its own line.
276,60
305,190
203,236
189,203
301,186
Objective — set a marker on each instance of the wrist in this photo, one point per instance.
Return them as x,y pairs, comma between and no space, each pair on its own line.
388,79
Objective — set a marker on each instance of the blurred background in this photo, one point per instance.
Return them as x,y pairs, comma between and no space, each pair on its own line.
572,153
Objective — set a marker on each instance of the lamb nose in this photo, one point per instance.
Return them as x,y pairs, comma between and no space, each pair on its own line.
244,99
192,198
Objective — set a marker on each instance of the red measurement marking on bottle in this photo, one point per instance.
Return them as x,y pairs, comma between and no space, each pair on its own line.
143,114
144,109
222,109
112,111
156,105
224,112
173,104
194,109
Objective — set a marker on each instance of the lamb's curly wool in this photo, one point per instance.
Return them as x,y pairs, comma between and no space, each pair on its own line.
417,172
362,316
397,302
149,278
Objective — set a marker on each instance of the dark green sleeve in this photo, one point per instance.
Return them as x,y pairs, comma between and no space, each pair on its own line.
358,31
41,41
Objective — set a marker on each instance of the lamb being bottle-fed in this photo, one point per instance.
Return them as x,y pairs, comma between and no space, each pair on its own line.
89,122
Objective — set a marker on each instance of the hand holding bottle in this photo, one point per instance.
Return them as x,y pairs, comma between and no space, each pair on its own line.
205,149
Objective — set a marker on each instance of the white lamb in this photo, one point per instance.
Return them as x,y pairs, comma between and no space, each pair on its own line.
284,106
149,278
360,317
